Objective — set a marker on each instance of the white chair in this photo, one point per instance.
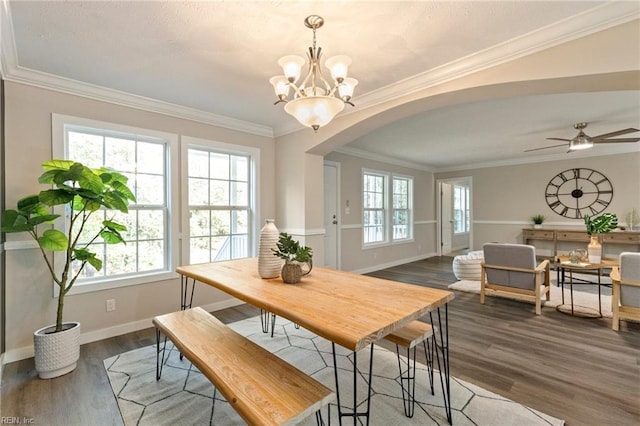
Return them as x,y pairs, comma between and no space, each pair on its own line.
625,301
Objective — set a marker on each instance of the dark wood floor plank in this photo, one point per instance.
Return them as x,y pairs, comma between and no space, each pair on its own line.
573,368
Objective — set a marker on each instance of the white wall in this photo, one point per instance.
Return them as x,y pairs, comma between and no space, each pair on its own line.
354,257
29,301
505,198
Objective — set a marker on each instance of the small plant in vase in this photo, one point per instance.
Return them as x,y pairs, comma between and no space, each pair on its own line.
602,224
294,255
537,221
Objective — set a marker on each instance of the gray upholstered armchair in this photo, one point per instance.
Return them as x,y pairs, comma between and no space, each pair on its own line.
625,302
513,269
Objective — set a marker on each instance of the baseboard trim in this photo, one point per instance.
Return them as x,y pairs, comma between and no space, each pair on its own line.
105,333
392,263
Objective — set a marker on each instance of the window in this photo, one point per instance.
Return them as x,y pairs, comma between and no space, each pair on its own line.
460,209
374,208
142,156
219,208
387,208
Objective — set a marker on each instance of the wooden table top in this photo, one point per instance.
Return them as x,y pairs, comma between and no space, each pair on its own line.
349,309
563,262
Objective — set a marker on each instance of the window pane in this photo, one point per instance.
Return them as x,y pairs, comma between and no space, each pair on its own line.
239,168
121,259
120,154
150,255
220,222
199,224
239,194
150,158
198,192
150,189
200,250
198,163
239,222
219,192
220,248
85,148
219,166
151,224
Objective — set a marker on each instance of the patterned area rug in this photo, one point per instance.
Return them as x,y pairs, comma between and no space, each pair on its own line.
184,396
585,296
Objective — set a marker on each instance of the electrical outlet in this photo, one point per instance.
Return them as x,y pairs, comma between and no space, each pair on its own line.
111,305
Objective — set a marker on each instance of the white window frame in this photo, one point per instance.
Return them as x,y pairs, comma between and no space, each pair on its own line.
389,209
188,142
59,149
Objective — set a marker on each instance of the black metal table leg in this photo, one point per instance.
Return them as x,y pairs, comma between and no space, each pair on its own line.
355,414
184,292
442,345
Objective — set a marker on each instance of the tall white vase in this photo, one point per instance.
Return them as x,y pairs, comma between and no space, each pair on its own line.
268,265
595,250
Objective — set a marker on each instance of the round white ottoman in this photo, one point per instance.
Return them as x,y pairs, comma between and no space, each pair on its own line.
467,266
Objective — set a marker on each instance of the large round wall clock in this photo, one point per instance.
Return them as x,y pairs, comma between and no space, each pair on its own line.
575,193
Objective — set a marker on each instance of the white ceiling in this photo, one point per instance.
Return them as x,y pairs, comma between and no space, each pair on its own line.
214,59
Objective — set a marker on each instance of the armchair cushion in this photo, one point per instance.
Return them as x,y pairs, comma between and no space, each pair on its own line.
512,256
630,271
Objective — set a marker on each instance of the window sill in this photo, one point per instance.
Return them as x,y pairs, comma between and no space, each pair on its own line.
92,286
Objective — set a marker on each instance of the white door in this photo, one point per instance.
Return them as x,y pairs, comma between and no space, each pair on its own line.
446,216
331,242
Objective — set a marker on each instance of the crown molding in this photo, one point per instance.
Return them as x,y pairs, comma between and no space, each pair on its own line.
612,150
591,21
90,91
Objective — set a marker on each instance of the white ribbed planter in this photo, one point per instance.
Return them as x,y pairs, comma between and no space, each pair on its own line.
268,264
56,353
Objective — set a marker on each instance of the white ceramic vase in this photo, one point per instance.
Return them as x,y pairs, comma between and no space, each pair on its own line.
594,249
268,264
56,353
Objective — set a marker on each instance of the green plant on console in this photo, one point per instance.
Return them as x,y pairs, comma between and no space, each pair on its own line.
538,219
291,250
83,191
602,224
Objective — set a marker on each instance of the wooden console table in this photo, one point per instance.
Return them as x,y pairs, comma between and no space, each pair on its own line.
557,236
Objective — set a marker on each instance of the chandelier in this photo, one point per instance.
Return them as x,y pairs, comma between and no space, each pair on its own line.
315,101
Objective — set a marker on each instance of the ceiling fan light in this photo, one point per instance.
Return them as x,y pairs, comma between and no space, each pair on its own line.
314,111
580,142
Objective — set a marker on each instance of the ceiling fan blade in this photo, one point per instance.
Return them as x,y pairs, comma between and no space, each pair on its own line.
546,147
616,140
558,139
616,133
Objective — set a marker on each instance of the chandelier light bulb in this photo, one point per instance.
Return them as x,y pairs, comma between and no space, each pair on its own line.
315,101
281,86
346,88
338,66
291,65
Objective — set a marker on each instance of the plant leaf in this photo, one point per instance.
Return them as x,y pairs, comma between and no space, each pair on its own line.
55,197
53,239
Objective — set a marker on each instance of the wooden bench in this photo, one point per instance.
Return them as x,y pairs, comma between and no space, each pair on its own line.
260,386
409,337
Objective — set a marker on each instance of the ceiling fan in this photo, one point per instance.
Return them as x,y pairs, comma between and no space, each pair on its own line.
584,141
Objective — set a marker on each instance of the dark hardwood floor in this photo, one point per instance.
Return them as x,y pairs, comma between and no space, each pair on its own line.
573,368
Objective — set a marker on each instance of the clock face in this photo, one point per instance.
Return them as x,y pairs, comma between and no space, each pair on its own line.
575,193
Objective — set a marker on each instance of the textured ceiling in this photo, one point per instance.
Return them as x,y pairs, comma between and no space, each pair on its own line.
217,57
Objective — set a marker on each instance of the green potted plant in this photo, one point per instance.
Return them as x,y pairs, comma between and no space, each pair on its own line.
602,224
632,218
294,255
82,191
537,220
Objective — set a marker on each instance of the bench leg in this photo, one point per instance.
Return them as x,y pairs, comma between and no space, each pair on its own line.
159,361
429,347
319,419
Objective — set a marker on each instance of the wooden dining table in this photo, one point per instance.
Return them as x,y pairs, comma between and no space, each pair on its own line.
348,309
